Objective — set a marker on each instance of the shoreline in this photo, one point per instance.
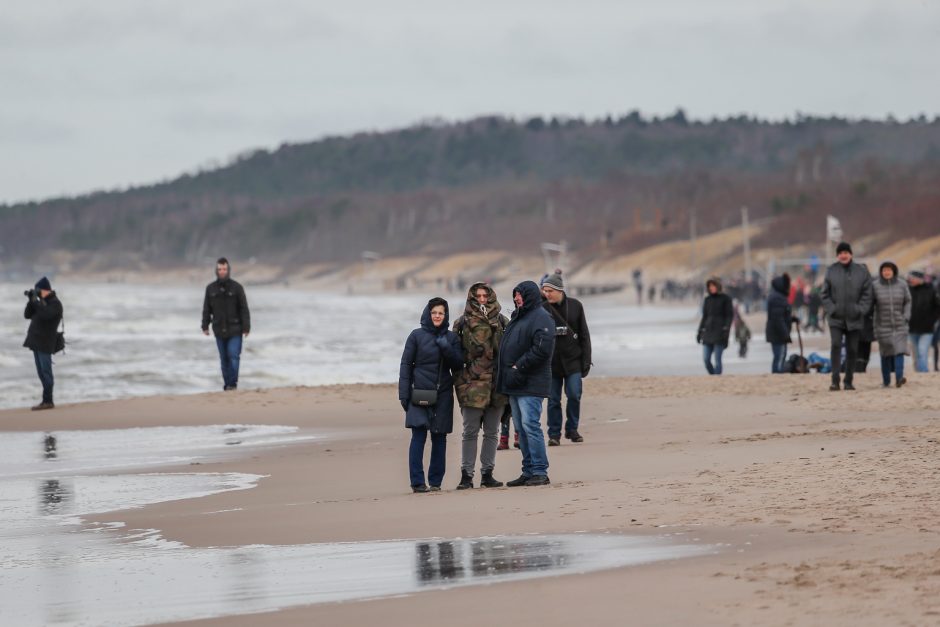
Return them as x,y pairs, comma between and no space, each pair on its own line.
823,497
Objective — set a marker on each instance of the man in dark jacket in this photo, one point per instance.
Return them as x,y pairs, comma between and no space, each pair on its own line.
571,361
226,309
524,374
44,312
925,310
847,299
715,327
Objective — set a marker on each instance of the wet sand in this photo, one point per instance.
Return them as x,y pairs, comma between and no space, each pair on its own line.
829,503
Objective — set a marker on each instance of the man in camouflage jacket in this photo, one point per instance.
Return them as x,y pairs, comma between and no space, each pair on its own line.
480,329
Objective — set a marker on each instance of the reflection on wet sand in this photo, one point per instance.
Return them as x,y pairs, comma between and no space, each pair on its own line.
448,561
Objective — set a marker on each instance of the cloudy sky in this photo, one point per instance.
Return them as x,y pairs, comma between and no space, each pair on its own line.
101,94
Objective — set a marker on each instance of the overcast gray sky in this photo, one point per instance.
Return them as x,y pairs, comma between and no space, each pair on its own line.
103,94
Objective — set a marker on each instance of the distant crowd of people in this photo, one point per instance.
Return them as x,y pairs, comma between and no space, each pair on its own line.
901,315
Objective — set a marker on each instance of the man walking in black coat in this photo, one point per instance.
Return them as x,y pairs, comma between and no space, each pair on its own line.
524,374
847,298
44,312
715,327
226,309
571,361
925,311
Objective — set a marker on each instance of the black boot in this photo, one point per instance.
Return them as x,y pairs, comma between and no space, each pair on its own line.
466,481
487,481
515,483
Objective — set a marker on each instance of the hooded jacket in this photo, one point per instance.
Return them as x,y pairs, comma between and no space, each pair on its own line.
226,308
525,354
847,296
892,313
44,316
779,312
480,330
573,350
717,316
431,356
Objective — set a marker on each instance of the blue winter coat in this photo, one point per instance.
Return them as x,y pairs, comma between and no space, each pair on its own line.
528,343
422,361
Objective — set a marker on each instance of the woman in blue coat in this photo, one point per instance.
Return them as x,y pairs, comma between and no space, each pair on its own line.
432,354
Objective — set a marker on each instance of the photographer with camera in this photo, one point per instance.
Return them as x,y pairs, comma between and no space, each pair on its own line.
44,311
571,361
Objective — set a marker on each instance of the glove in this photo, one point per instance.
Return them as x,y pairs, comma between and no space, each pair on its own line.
441,341
404,405
585,371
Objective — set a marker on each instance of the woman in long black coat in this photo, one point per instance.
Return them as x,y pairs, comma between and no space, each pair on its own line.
431,357
779,320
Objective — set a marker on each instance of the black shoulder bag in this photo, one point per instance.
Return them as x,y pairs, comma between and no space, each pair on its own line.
426,398
60,338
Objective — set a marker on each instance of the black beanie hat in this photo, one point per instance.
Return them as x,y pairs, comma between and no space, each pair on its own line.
843,247
43,284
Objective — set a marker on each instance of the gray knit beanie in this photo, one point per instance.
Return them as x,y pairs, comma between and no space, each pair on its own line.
554,281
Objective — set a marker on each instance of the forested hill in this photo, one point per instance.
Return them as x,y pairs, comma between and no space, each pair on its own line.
501,183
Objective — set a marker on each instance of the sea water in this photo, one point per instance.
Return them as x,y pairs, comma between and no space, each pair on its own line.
135,340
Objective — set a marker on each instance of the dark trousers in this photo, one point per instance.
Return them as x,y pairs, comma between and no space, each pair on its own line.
419,437
44,370
891,363
851,352
572,387
230,352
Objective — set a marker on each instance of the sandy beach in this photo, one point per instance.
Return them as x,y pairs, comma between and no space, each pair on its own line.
824,507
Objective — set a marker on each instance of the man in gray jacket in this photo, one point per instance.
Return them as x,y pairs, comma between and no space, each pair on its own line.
847,299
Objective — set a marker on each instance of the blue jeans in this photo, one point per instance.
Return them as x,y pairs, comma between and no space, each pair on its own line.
419,436
887,363
572,387
780,358
526,418
713,349
921,343
44,370
230,351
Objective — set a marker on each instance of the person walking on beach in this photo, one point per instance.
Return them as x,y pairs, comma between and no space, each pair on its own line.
925,311
892,320
44,312
742,332
814,303
779,320
847,299
431,356
225,308
525,375
571,360
480,330
715,327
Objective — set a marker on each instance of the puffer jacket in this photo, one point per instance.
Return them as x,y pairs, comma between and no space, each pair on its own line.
44,316
427,364
892,316
525,354
847,296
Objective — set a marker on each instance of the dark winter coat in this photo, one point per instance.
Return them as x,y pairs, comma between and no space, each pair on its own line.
717,316
431,357
779,313
572,351
847,296
44,316
226,308
925,308
528,343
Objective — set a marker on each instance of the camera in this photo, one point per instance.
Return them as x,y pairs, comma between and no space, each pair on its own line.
561,330
29,293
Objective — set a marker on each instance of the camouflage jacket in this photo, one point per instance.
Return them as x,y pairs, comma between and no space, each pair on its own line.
480,336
